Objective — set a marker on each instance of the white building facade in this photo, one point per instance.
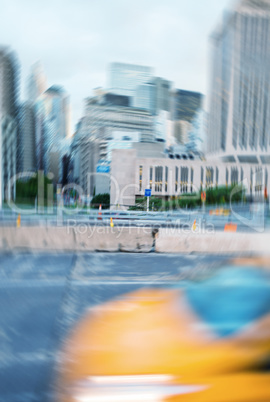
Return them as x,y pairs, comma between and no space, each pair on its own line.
239,115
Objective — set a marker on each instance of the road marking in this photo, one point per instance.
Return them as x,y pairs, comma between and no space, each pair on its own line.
74,283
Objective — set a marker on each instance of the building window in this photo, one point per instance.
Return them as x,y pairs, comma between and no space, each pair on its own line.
202,178
234,176
166,178
191,179
264,143
184,180
259,180
151,177
217,176
181,179
158,178
140,180
209,176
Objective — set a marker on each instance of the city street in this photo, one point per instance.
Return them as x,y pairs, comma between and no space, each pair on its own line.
135,201
42,296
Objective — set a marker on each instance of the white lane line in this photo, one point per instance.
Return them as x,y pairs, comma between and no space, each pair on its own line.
43,284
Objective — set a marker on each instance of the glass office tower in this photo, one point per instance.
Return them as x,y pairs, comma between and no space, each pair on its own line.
125,78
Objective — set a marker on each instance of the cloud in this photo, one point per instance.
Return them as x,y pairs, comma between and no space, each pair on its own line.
76,40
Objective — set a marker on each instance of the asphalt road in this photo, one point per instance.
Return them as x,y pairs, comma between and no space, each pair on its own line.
42,296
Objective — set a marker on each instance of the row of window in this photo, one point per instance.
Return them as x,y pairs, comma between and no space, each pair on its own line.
158,183
184,178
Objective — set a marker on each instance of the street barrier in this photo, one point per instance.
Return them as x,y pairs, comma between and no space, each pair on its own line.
230,227
80,238
213,243
18,222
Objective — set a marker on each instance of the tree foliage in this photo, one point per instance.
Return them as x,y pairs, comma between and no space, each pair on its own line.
103,199
28,189
214,196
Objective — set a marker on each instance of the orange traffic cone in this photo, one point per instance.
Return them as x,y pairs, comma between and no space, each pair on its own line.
100,213
194,226
19,221
112,224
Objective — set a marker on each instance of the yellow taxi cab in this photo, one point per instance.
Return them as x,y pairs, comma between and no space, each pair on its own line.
202,341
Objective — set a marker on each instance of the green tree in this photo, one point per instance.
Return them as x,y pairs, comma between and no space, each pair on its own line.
214,196
27,190
103,199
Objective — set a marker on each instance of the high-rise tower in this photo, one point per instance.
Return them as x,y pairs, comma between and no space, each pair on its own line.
8,125
239,107
37,82
53,117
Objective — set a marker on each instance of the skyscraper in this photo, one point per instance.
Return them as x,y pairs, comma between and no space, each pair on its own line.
125,78
31,123
239,108
196,134
145,97
26,151
163,90
37,82
53,121
8,125
185,105
138,82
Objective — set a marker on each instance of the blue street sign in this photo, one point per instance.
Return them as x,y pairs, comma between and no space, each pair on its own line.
103,169
147,193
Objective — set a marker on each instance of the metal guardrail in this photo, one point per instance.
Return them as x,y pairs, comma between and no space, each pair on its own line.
209,213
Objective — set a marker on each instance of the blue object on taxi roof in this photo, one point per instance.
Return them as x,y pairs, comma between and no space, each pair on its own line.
231,299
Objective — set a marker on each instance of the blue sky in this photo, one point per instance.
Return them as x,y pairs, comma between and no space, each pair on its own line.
76,40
